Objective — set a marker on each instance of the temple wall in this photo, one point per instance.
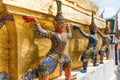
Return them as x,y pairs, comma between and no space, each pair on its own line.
12,54
87,5
70,11
8,49
27,49
4,49
44,5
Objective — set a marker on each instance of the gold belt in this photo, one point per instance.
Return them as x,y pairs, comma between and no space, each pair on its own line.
54,55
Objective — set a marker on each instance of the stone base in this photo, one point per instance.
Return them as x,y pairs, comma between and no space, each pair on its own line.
102,72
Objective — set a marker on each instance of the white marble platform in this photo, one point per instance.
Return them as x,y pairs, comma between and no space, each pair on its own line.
102,72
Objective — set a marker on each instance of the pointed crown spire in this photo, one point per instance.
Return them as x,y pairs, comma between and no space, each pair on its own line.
92,25
59,11
102,13
117,31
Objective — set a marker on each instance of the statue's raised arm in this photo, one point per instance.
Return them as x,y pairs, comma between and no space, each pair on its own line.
81,31
43,32
101,34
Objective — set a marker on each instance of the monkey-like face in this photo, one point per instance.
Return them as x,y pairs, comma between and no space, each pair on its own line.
93,29
107,31
60,26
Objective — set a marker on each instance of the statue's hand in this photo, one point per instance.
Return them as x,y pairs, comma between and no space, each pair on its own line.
29,18
68,25
76,27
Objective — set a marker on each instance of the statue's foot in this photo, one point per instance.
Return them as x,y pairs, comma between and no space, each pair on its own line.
83,71
101,62
72,77
107,58
96,65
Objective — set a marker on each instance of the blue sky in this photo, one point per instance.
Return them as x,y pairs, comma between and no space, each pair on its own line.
111,7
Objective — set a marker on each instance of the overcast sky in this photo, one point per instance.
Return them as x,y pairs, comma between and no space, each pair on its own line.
111,7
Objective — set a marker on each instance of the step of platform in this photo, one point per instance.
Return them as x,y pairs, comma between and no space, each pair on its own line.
102,72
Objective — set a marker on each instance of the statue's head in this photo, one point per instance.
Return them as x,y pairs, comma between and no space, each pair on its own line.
59,20
60,23
93,26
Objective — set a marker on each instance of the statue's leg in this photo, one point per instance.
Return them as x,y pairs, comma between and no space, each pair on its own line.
31,74
102,53
94,57
85,63
85,58
4,76
67,68
107,53
61,69
46,67
101,56
43,73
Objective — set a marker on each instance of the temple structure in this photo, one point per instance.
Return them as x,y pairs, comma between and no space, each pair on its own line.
20,46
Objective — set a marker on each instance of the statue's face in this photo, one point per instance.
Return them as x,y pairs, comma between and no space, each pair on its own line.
94,29
107,31
60,26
